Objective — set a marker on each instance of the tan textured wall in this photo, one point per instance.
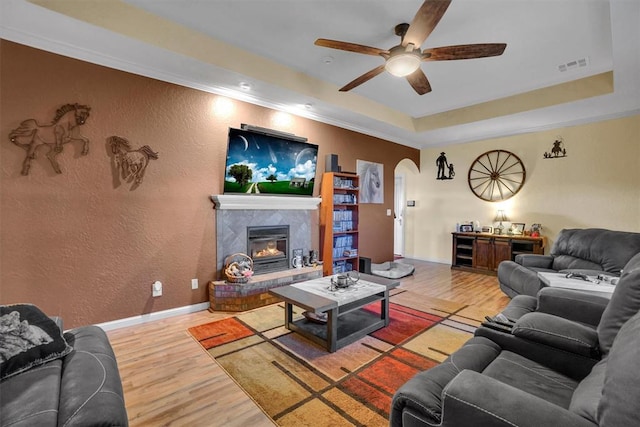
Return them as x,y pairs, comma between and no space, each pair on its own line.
596,185
87,247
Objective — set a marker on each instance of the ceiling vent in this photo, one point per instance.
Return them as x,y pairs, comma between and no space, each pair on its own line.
572,65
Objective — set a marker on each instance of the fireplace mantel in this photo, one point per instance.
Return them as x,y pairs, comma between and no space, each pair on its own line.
245,202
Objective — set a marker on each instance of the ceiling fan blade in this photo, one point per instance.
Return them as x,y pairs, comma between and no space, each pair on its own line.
425,21
419,82
351,47
464,51
363,78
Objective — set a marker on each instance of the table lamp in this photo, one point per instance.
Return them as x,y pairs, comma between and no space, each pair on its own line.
500,216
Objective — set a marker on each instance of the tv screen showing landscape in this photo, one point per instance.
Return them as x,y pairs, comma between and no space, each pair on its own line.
259,163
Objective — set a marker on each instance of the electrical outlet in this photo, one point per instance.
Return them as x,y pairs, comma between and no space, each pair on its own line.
194,283
156,289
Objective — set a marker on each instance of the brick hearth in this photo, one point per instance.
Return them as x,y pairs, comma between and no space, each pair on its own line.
225,296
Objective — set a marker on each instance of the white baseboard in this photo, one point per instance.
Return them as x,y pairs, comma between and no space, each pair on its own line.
438,261
150,317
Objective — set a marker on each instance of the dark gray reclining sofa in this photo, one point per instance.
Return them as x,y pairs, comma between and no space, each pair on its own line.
591,251
542,370
82,388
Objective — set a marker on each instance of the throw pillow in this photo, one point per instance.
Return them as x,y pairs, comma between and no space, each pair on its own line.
28,338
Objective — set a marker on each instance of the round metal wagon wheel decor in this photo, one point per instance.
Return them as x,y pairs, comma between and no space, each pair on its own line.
496,175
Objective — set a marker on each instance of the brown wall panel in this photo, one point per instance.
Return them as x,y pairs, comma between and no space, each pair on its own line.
87,246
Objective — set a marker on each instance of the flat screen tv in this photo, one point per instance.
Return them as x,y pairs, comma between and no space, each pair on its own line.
262,163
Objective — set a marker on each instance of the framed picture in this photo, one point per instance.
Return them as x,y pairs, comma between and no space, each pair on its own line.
371,181
517,228
466,228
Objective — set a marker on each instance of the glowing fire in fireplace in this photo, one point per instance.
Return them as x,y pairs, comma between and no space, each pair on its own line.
270,250
268,246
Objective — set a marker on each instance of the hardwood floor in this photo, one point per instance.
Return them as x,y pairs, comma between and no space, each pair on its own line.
168,379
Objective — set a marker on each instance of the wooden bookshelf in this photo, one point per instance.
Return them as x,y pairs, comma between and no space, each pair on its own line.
339,222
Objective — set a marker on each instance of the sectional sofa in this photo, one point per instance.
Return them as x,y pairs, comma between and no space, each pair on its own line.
590,251
50,378
539,368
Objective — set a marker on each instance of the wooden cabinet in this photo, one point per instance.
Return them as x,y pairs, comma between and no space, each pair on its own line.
463,251
483,253
482,257
339,222
502,251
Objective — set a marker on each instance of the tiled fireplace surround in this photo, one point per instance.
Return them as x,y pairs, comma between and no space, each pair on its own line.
234,213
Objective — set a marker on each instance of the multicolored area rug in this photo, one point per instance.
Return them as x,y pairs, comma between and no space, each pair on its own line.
296,382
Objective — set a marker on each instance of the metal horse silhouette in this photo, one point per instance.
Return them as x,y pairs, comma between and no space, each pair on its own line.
132,163
64,128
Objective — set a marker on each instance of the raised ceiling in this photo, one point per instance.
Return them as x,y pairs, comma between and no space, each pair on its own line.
216,45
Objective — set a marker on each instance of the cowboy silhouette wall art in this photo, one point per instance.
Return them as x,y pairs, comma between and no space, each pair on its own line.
442,164
557,151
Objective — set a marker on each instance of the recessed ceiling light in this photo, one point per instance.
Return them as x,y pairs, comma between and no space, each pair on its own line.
308,106
327,59
245,86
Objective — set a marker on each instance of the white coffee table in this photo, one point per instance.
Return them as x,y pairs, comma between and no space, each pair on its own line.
558,280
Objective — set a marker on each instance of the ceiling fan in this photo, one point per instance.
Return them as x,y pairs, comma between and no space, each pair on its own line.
404,59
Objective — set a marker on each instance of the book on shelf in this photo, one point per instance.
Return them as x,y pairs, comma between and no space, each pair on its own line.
350,252
342,226
342,215
343,241
345,199
342,267
346,183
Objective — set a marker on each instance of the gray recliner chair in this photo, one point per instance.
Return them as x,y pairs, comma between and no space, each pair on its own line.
590,251
541,369
579,306
485,385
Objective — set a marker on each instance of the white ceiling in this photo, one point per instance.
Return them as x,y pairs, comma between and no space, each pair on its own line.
540,35
284,31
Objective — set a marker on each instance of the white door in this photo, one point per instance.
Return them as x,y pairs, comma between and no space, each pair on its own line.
398,216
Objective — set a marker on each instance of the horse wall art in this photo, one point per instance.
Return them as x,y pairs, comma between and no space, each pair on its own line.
64,128
371,182
131,163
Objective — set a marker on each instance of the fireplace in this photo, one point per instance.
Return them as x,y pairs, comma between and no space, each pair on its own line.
234,213
268,246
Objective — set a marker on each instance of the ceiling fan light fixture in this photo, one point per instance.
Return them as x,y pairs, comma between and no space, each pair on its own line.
403,62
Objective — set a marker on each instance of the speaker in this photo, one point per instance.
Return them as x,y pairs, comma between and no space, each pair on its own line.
365,265
331,163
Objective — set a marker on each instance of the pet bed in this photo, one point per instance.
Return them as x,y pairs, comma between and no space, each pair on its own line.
392,270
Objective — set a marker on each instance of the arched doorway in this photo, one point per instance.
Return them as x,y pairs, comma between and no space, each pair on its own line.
403,172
